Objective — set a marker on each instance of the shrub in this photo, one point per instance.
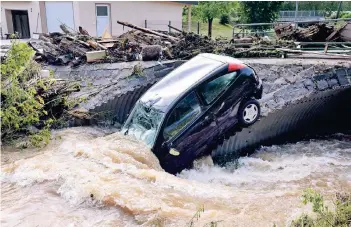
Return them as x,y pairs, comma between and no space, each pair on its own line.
346,15
325,217
21,106
224,19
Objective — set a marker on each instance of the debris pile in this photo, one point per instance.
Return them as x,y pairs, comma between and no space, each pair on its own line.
78,47
319,32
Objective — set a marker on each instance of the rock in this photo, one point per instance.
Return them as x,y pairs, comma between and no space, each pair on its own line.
280,81
333,82
32,129
151,52
322,85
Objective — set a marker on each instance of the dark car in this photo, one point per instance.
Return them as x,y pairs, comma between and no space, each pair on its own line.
184,115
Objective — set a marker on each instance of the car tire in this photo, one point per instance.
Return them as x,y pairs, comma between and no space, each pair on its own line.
249,112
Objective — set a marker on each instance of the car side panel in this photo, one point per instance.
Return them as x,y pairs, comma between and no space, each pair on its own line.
241,89
202,134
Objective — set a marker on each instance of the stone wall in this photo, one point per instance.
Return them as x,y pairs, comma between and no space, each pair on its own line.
109,91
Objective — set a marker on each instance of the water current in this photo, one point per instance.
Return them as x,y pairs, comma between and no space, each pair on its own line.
86,178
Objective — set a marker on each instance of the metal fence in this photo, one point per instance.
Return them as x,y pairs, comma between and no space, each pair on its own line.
312,15
197,27
162,25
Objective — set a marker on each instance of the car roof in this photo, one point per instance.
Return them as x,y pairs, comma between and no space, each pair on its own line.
165,92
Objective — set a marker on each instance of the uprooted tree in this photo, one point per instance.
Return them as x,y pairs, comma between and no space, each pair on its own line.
30,102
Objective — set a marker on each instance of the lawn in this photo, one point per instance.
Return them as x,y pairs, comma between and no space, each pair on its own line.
218,30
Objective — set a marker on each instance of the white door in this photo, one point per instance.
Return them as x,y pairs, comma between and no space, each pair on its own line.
102,19
57,13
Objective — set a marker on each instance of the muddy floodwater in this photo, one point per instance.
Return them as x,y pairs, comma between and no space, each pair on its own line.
83,178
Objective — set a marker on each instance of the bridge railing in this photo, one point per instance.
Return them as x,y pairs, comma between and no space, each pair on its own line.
312,15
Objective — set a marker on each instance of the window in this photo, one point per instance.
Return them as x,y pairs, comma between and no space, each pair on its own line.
101,11
184,112
212,89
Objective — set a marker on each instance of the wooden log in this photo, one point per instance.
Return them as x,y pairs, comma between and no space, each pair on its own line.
65,29
69,46
174,39
92,44
95,55
178,30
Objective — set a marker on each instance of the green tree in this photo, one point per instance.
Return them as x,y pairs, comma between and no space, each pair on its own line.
259,12
207,11
327,6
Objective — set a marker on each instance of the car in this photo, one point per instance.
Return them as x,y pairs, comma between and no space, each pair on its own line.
183,116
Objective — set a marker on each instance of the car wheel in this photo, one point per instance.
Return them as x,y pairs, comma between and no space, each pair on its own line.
249,112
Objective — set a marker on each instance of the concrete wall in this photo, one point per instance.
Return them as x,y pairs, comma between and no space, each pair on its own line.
132,12
34,15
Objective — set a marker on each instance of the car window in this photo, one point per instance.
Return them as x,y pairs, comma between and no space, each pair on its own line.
212,89
182,114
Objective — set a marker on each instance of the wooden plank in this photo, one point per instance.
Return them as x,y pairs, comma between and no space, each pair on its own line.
178,30
95,55
108,41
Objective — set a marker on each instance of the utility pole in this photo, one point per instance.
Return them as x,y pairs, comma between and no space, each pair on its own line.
339,8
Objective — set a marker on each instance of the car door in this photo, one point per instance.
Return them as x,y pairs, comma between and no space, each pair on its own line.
188,130
226,113
220,94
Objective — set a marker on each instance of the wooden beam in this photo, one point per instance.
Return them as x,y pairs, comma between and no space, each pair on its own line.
95,55
178,30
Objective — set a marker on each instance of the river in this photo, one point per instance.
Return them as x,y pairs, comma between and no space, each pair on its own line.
86,178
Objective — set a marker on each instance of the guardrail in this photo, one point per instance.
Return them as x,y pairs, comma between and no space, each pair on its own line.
251,27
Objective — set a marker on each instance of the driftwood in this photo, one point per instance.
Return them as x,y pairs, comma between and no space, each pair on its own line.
174,39
178,30
70,47
65,29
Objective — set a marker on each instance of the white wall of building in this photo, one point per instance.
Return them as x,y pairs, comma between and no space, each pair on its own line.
132,12
84,14
34,16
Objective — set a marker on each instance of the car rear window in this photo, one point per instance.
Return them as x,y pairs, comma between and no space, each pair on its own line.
212,89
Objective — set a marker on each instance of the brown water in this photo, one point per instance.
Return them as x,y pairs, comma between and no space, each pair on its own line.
86,179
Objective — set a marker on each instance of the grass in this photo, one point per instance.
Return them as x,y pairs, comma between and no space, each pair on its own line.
218,30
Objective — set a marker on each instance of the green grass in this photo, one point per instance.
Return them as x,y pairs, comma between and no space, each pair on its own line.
218,30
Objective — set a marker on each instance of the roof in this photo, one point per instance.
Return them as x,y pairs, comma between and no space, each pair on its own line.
166,91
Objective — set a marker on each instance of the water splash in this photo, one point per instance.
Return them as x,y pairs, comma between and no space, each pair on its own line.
86,179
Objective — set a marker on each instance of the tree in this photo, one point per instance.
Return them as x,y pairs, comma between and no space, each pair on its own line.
327,6
259,12
207,11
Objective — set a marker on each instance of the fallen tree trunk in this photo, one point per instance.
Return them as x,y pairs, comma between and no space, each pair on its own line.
174,39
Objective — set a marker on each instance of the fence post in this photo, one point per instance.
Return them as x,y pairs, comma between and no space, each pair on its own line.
233,31
145,23
169,28
198,28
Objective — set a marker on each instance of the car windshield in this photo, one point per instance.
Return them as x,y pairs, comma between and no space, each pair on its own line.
143,123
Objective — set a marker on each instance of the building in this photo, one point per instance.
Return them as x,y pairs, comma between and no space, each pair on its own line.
28,18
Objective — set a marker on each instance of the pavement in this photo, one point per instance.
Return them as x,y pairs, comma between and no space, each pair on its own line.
6,43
